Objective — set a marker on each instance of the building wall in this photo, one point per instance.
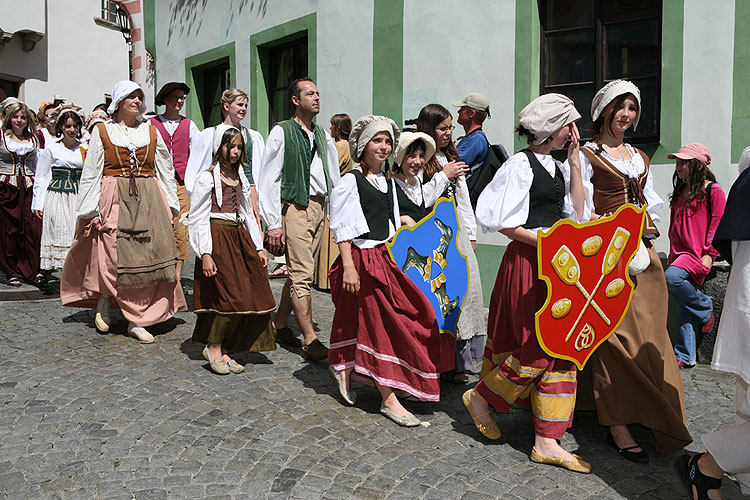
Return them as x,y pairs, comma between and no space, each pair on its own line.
76,58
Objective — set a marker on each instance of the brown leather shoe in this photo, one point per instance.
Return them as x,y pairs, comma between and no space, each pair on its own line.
315,350
285,336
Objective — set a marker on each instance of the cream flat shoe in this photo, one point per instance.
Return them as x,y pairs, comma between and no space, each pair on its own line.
140,333
102,319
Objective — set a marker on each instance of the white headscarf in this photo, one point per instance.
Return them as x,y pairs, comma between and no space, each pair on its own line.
547,114
219,133
121,90
612,91
366,128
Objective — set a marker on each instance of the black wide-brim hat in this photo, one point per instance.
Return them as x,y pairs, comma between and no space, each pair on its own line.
167,88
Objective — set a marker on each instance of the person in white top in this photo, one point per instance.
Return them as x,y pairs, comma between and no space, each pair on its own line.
45,122
300,167
181,136
56,186
20,230
124,252
234,108
530,192
444,175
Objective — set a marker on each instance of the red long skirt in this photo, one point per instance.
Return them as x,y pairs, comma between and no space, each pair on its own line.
388,332
515,368
20,231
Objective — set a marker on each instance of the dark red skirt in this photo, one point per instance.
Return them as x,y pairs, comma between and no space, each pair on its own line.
388,332
20,231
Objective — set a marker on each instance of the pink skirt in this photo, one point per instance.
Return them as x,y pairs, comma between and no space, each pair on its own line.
388,332
90,269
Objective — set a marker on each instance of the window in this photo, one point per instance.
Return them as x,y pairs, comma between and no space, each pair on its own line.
216,79
588,43
286,62
8,88
109,11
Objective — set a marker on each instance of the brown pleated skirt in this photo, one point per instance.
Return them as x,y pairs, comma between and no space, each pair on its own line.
633,377
234,306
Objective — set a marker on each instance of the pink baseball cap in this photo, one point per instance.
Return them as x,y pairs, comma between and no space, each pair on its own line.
693,150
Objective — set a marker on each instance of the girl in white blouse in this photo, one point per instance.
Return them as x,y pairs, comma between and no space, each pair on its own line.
530,192
232,298
384,330
56,187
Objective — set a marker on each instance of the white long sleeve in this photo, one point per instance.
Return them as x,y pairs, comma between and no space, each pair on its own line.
465,212
200,157
432,189
90,185
42,178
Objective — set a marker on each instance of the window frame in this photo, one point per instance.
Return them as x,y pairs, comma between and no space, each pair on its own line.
600,25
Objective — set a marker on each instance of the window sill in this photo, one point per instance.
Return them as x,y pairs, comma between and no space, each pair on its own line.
106,24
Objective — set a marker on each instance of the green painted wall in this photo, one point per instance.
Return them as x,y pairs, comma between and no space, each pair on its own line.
149,32
388,59
741,76
259,44
194,67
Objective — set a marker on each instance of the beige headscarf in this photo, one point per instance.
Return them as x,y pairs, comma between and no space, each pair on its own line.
547,114
612,91
406,139
366,128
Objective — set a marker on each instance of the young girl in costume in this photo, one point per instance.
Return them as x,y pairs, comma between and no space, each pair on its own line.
56,187
696,213
632,377
443,175
384,330
414,149
529,193
233,299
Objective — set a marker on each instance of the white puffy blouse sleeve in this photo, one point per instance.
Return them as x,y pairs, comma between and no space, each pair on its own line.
269,179
90,185
42,178
504,203
258,148
200,156
432,189
463,203
249,222
653,200
346,218
164,172
199,222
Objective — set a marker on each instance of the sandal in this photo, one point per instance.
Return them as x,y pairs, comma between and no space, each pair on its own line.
39,280
14,282
691,475
455,377
279,272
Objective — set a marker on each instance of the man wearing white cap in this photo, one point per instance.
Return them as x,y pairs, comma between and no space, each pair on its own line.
472,148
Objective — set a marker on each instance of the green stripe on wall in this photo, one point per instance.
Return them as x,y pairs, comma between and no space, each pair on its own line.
388,59
528,40
193,68
149,32
741,76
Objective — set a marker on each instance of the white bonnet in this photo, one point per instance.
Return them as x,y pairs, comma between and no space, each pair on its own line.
547,114
121,90
612,91
366,128
406,140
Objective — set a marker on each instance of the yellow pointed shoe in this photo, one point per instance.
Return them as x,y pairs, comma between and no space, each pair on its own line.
490,430
576,463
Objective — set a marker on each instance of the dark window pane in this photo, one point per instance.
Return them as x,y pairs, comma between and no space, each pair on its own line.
582,95
563,14
633,50
213,85
622,10
570,58
648,125
287,62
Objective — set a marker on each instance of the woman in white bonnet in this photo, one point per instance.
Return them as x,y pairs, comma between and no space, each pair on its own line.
531,192
124,253
632,378
384,330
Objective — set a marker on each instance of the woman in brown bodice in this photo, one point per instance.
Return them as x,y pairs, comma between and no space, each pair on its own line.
633,377
124,253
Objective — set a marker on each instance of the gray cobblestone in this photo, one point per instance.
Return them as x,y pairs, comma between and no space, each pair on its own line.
87,415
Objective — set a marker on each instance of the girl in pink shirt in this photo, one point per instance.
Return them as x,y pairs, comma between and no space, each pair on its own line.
697,206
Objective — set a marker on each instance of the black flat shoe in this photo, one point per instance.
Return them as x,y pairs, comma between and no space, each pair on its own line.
639,457
690,475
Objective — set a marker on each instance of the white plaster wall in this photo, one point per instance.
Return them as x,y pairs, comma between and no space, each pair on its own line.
451,52
77,58
344,44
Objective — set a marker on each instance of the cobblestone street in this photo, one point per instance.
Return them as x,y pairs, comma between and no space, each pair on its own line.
86,415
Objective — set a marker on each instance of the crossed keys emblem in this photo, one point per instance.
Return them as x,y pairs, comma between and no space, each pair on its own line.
568,270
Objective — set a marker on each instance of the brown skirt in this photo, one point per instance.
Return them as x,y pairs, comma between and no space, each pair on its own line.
633,377
234,306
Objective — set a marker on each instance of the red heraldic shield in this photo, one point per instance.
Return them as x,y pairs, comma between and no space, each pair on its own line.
585,267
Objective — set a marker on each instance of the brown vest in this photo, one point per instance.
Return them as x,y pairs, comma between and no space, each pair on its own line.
612,188
230,199
117,161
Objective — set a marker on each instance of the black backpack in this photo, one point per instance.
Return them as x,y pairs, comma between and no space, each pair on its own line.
496,156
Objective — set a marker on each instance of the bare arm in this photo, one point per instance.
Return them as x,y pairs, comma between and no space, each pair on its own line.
520,233
351,277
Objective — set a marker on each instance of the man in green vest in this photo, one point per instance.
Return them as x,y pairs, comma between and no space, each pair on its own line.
299,168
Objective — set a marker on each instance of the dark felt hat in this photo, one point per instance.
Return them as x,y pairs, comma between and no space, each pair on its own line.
167,88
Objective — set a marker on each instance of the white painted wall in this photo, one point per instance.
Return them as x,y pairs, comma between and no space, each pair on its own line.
344,67
77,58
